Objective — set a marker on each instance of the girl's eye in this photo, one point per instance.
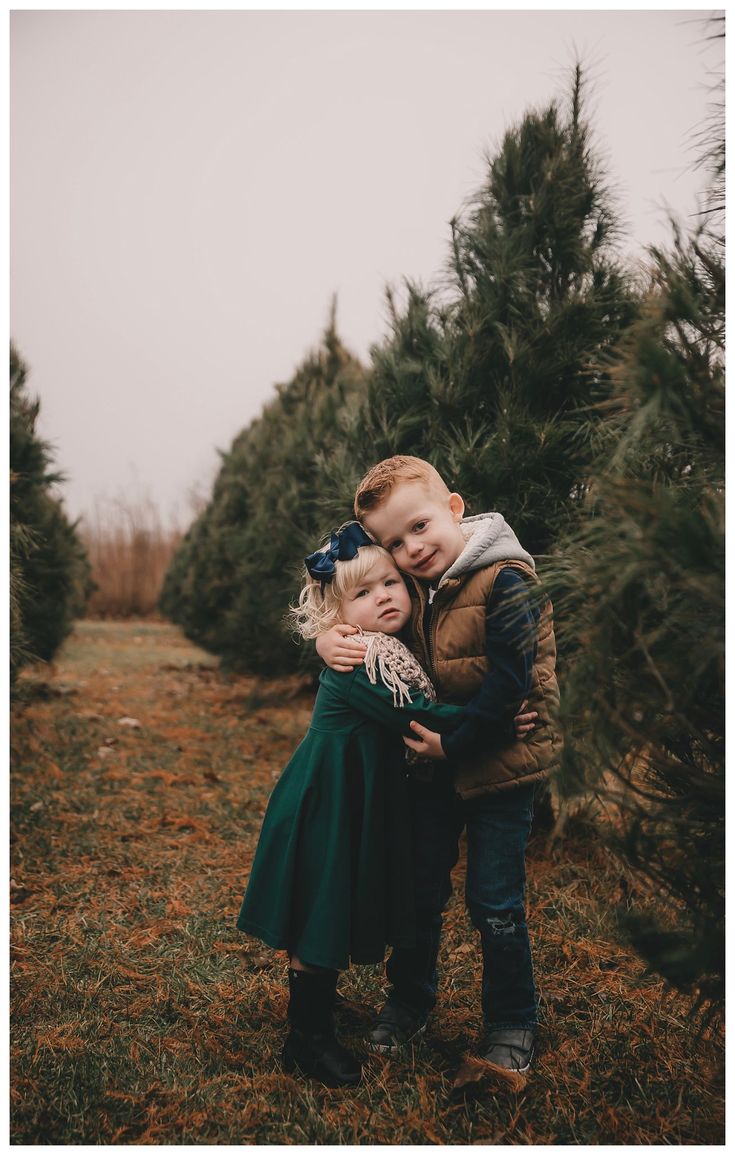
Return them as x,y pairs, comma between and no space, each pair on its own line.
391,581
420,525
361,593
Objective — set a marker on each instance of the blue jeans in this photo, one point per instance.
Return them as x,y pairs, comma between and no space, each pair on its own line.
498,826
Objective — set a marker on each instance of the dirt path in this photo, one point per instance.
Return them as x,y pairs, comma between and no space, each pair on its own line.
140,1015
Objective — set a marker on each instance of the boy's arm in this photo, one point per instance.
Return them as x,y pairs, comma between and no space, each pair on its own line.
342,652
376,703
511,626
338,650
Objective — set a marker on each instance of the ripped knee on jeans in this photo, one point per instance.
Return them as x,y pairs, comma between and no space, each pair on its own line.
500,925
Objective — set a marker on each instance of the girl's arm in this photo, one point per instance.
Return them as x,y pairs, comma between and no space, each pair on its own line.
376,702
428,743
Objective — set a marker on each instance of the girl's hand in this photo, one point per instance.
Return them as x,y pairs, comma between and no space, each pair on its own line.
427,743
339,651
524,723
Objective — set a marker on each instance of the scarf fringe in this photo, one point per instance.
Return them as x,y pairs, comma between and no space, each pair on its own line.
393,662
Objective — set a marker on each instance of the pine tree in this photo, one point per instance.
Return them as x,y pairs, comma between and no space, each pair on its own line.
49,571
485,374
639,592
240,564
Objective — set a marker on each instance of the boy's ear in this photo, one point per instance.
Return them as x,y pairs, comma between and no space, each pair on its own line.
456,506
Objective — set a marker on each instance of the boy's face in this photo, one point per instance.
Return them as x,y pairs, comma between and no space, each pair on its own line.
380,602
419,526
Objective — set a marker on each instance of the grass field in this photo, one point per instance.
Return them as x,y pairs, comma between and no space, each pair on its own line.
141,1015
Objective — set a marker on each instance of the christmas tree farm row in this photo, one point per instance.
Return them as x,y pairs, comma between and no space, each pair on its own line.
586,404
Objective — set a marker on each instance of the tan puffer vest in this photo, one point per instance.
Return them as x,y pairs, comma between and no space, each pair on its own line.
455,658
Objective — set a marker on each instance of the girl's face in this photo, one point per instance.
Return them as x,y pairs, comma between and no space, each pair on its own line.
380,603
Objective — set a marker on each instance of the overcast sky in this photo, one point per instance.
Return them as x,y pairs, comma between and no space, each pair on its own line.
188,190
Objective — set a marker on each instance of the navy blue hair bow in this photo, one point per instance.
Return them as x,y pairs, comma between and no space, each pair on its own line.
343,546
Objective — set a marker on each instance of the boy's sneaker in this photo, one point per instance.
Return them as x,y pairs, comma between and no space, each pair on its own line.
395,1027
510,1048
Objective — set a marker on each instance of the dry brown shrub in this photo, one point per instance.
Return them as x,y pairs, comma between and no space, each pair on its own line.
129,549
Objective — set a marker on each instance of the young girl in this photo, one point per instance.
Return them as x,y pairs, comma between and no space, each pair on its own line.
332,877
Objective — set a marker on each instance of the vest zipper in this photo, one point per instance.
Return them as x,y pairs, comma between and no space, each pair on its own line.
427,639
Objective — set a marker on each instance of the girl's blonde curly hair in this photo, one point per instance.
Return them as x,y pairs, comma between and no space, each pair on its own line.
317,612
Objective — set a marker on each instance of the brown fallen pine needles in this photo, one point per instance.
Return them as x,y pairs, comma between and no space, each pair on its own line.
141,1015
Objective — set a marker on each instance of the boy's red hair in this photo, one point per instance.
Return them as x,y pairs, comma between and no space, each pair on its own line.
380,481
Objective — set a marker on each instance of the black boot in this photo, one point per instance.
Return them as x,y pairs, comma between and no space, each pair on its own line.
311,1045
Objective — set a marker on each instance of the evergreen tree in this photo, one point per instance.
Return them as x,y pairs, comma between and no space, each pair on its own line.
238,567
486,375
49,571
640,605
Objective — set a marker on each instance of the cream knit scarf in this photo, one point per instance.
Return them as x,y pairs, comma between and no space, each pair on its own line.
398,669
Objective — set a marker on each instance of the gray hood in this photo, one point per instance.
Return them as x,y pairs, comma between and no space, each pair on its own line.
489,539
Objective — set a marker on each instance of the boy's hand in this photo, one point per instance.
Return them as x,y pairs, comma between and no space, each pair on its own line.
524,723
339,651
427,743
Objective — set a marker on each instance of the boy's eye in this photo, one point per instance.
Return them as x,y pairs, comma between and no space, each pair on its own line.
393,546
419,525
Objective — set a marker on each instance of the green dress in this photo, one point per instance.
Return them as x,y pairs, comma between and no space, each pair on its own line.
332,879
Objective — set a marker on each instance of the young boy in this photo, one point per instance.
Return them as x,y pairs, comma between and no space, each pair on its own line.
485,646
